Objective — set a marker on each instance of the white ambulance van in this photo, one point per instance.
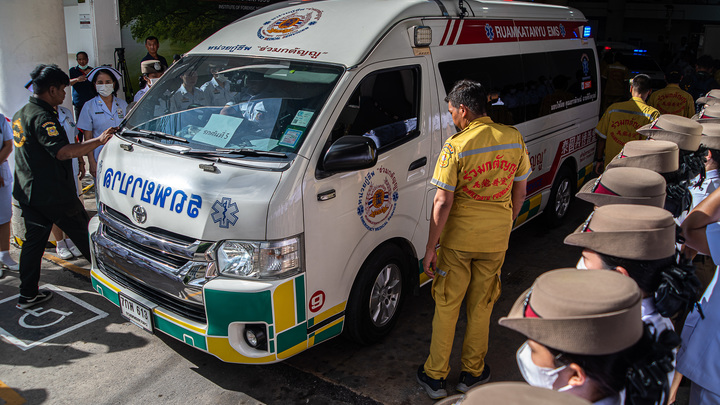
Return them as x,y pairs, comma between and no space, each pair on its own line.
272,190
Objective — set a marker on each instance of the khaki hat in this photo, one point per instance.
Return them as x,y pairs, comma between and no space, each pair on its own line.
709,114
711,135
626,185
711,98
151,66
658,156
683,131
587,312
634,232
513,393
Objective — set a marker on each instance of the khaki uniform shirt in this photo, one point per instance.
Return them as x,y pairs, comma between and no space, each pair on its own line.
620,122
479,165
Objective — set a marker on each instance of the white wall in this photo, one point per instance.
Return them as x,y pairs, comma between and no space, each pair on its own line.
79,39
32,32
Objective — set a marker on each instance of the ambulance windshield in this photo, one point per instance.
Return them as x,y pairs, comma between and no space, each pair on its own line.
228,103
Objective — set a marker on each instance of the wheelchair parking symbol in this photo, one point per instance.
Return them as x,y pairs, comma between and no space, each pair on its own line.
33,326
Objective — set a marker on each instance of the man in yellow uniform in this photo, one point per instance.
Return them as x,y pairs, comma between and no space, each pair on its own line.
620,122
672,99
481,177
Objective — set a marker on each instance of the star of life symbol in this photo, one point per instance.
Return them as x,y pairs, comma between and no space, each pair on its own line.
489,32
562,30
224,212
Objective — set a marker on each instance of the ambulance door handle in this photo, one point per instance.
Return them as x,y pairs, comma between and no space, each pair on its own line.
418,164
326,195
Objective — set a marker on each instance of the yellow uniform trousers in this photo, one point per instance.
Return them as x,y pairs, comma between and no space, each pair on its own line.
473,276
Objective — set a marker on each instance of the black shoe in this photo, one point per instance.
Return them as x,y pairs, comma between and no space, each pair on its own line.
467,381
42,296
434,388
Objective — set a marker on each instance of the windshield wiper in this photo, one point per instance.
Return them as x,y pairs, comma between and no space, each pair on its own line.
225,151
141,133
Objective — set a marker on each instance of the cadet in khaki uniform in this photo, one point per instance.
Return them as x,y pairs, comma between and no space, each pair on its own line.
44,184
672,99
620,122
481,177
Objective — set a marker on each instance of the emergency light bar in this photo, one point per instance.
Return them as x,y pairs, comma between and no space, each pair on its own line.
587,30
422,35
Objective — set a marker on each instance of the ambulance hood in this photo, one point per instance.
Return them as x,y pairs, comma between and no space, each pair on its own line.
169,193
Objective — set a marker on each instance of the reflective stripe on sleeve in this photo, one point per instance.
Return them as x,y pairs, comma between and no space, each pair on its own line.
489,149
523,177
442,185
600,134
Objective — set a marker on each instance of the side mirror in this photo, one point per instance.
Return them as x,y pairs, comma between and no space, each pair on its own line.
351,152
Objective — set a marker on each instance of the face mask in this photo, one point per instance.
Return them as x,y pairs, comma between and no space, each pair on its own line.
536,376
581,264
105,90
153,81
221,78
83,67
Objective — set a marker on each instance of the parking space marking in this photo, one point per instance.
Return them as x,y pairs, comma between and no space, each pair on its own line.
26,345
67,265
9,395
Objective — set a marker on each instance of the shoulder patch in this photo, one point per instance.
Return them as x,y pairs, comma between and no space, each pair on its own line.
52,130
48,124
446,154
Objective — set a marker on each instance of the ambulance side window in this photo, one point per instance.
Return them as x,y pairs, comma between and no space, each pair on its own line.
384,107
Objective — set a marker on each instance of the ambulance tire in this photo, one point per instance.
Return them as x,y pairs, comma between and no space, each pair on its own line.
561,196
377,295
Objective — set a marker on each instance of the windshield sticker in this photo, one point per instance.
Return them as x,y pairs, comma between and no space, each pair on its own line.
152,193
377,199
229,48
289,23
297,51
224,212
291,137
302,118
218,131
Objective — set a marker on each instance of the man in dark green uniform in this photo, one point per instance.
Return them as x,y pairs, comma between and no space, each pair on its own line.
44,184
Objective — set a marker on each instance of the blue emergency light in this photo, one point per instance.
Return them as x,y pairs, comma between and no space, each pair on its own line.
587,30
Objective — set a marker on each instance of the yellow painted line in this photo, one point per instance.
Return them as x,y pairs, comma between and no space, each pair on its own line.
67,265
330,312
10,397
194,294
171,318
284,306
87,188
105,282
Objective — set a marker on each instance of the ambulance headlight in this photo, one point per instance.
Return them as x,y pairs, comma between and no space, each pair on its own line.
260,260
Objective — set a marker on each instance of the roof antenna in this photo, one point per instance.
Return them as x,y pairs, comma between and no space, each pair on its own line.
463,10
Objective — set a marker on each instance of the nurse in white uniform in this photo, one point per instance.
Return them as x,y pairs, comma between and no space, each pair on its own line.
6,185
104,111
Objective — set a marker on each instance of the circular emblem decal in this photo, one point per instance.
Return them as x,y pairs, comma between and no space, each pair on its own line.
289,23
446,154
139,214
317,301
377,199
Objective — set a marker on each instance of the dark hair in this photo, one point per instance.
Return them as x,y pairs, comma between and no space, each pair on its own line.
646,273
673,75
469,93
152,38
714,155
81,53
46,76
705,62
641,83
640,369
116,84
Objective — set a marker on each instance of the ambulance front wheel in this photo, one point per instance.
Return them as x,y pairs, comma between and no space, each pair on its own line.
377,294
561,196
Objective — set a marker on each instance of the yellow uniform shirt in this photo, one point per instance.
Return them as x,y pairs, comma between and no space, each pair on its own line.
479,165
673,100
620,122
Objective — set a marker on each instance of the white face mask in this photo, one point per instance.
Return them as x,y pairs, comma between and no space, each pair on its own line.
153,81
221,78
581,264
105,90
535,375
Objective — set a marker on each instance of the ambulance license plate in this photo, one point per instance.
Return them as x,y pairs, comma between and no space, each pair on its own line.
135,312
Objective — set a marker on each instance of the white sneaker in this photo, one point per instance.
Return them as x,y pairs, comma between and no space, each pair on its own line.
75,251
63,252
10,266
